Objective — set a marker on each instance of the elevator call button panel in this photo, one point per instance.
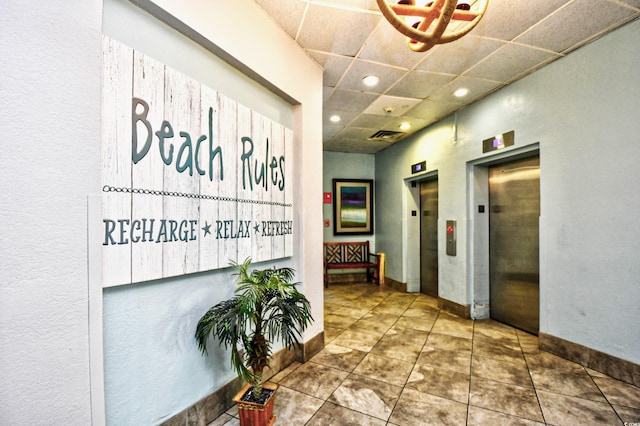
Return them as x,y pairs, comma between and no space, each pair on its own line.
451,237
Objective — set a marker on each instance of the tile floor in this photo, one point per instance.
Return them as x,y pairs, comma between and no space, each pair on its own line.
393,358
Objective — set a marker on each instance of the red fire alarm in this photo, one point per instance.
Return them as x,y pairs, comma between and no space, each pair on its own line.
328,198
327,223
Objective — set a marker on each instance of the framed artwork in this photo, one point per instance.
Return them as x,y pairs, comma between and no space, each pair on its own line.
352,207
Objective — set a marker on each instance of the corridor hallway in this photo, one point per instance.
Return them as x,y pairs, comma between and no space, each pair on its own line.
394,358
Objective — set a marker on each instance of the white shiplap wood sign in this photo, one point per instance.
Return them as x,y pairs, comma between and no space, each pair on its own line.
191,179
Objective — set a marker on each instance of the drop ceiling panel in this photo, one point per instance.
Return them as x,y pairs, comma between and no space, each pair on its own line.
478,88
508,62
334,67
459,56
360,69
370,5
356,146
419,84
416,124
576,21
432,111
388,46
286,13
349,100
506,19
350,38
372,121
342,33
357,133
346,117
397,106
329,131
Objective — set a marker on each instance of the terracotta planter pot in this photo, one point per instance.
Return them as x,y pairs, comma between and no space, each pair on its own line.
255,414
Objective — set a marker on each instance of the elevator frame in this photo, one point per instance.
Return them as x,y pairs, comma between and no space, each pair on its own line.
478,225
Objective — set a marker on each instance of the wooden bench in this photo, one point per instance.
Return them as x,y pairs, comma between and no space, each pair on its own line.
350,255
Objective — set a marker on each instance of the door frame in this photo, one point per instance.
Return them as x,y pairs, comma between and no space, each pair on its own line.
410,244
478,224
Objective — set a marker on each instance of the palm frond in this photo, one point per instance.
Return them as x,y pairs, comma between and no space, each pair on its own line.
266,307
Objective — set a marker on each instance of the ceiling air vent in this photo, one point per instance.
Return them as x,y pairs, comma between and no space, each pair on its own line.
386,136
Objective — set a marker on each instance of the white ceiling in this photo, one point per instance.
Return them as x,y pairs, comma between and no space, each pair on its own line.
351,39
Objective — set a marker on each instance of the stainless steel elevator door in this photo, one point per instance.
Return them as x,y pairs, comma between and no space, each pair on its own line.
429,237
514,270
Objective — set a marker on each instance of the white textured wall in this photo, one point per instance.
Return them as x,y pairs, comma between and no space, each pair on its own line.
50,121
583,110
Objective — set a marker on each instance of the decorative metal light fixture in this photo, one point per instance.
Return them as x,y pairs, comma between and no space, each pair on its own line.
436,22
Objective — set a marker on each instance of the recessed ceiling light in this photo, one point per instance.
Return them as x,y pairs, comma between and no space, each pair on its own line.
335,118
371,80
461,92
405,126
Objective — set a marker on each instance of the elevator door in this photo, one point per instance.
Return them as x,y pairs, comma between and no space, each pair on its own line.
429,237
514,211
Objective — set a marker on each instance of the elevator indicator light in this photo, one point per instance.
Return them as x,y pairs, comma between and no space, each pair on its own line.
498,141
451,237
419,167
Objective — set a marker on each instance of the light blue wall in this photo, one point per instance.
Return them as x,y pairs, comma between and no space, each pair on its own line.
152,366
340,165
583,112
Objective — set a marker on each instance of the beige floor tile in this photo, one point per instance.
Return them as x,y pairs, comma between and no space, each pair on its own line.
498,350
367,396
339,321
450,343
395,359
370,326
315,380
501,371
420,324
459,361
293,407
339,357
483,417
385,369
335,415
453,326
579,385
561,410
331,333
351,311
619,393
387,319
402,335
356,340
420,408
393,349
509,399
444,383
542,359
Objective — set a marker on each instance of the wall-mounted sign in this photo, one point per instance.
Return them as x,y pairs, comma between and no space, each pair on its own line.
498,142
190,178
419,167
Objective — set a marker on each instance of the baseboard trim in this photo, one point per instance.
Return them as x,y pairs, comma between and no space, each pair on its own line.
463,311
396,285
610,365
216,403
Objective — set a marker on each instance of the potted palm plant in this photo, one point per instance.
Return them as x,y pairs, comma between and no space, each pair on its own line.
266,308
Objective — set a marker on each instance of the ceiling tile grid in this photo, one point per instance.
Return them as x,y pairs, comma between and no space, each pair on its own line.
351,39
